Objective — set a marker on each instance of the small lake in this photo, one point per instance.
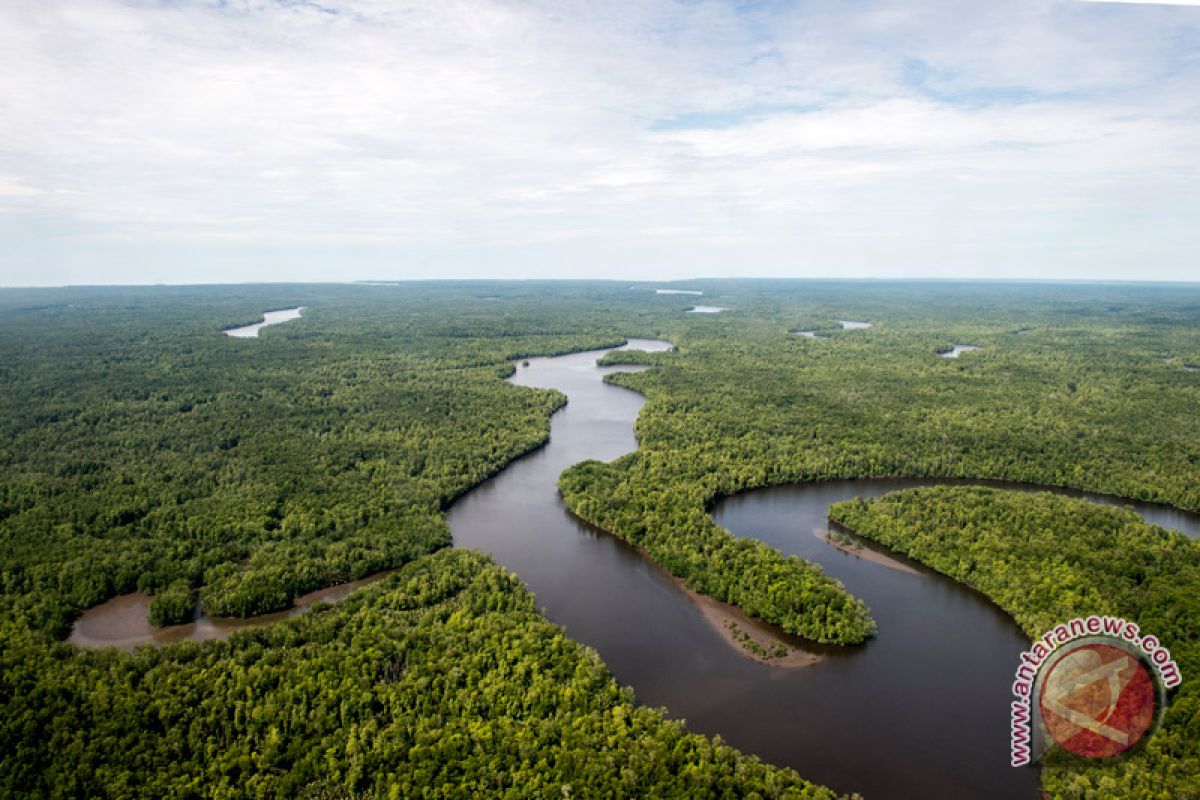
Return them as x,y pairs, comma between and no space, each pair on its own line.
678,291
706,310
851,325
269,318
958,349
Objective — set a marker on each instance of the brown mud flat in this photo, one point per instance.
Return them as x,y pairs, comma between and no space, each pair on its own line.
865,553
731,621
124,621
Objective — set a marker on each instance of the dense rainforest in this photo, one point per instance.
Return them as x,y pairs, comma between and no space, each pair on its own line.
1046,559
144,450
441,681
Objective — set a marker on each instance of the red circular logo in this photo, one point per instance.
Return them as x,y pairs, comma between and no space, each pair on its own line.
1097,700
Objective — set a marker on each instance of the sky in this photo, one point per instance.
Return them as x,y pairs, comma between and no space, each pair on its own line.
264,140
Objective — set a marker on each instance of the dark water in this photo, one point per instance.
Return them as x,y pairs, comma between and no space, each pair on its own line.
921,711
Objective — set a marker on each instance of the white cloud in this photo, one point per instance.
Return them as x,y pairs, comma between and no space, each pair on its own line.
1149,2
471,137
10,188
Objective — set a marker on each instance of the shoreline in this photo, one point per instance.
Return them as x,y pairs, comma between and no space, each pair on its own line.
865,553
730,621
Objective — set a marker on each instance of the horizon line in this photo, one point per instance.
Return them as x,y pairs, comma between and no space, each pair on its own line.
401,281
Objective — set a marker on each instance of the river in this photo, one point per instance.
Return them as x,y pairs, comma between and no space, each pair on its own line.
919,711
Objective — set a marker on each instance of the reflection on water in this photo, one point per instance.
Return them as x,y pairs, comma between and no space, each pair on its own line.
269,318
957,349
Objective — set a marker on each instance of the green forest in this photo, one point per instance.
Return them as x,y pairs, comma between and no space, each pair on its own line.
143,450
441,681
1046,559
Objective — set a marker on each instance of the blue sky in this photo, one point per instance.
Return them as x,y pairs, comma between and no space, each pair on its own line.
247,140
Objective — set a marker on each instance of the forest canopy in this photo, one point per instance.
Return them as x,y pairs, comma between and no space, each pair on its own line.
144,450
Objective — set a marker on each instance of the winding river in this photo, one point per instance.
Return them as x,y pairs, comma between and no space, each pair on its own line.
919,711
